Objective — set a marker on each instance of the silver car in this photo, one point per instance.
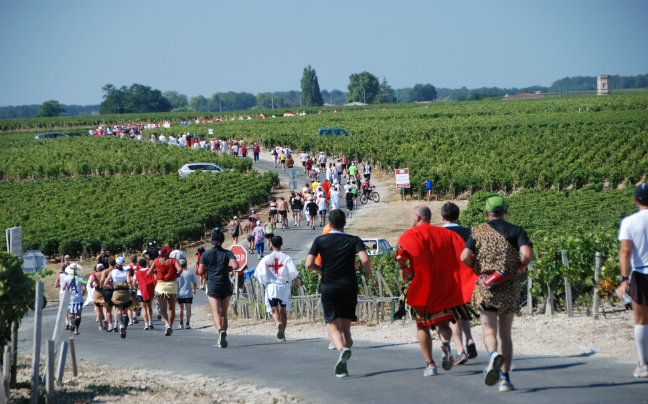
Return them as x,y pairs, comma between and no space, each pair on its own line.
377,246
191,167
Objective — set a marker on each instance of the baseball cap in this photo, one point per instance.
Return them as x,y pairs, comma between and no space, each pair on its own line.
99,266
258,223
494,202
235,217
119,261
641,193
182,262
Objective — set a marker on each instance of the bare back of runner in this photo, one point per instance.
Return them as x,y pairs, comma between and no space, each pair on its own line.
339,283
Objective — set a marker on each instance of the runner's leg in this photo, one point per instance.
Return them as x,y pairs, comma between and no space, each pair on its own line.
181,312
162,310
425,341
339,331
188,307
505,325
172,304
283,317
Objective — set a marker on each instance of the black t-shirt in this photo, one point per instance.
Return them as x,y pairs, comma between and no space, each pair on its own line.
153,253
338,252
464,232
312,208
216,261
515,235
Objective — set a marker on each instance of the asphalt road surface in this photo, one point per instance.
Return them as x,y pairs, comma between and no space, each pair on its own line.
380,373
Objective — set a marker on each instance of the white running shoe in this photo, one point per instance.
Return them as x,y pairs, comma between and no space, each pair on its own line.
505,385
331,346
492,372
447,360
181,326
641,371
130,322
430,370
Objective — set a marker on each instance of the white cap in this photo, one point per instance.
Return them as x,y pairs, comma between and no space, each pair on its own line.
119,261
235,217
258,222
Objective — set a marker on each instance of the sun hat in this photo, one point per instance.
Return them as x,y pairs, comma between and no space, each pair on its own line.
165,251
495,202
73,268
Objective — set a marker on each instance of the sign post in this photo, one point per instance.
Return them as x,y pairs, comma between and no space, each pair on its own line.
14,240
240,253
402,179
210,130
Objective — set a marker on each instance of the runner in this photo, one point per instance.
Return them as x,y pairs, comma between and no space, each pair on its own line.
282,208
322,207
339,283
133,267
275,272
322,161
338,170
450,216
259,235
274,153
57,284
428,187
235,229
107,296
311,208
335,198
304,159
272,214
97,296
348,196
633,260
145,292
282,158
290,162
269,228
74,283
309,166
166,271
187,286
493,252
243,151
367,171
354,192
428,257
297,207
119,280
345,163
203,278
177,254
256,150
352,170
248,228
218,263
152,251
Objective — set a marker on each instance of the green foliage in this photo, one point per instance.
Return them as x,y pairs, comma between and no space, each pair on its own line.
311,95
68,216
176,99
27,158
363,87
422,92
49,109
134,99
385,93
16,293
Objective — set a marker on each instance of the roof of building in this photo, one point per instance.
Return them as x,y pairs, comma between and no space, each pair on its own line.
521,96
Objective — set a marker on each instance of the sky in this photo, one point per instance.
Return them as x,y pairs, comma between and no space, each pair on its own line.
68,50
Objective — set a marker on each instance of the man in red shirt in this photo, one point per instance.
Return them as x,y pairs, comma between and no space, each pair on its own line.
256,150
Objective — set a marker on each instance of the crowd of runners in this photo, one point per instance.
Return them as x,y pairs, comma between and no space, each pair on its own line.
450,273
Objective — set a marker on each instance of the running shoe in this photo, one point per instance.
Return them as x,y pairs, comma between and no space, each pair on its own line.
96,319
105,325
331,346
100,327
181,326
505,385
447,361
147,328
222,339
472,350
67,327
341,365
123,333
115,329
187,326
130,322
135,320
76,331
280,332
151,326
159,317
168,332
109,329
641,371
492,372
461,359
430,370
72,328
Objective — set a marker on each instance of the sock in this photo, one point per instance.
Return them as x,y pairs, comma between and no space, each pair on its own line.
641,339
504,376
119,320
429,363
493,353
125,321
77,322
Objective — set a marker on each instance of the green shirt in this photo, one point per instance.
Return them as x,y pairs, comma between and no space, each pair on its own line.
352,170
269,229
354,189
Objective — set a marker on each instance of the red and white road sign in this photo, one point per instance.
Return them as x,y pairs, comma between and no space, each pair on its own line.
241,255
402,178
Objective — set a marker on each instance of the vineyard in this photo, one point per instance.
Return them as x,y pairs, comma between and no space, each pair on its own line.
23,157
76,215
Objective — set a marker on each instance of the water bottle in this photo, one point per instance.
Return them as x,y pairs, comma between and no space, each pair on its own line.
626,299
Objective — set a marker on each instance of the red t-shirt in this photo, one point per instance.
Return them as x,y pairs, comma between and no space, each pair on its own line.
165,272
256,149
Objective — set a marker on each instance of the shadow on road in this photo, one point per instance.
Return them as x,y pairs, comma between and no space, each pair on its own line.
586,386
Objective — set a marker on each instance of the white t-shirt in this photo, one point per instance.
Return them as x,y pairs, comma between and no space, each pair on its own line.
321,204
335,200
635,229
178,255
322,158
163,139
304,157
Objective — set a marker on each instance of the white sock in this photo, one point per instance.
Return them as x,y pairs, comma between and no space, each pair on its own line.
641,338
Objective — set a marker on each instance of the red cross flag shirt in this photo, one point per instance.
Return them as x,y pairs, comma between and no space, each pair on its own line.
276,272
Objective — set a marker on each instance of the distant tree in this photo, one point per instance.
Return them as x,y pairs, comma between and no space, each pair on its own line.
385,93
176,99
363,87
311,95
268,101
232,101
422,92
134,99
49,108
198,103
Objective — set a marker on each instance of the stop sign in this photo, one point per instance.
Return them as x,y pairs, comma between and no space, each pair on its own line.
241,255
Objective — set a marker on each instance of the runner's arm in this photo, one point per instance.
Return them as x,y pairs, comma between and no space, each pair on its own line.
467,257
527,256
234,264
201,269
625,254
310,264
366,263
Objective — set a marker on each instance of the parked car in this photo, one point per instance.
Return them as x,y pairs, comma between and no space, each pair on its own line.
377,246
332,132
51,135
191,167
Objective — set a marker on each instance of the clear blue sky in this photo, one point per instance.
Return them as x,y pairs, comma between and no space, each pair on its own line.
68,50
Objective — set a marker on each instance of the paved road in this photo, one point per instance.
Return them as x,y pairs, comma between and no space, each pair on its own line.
379,373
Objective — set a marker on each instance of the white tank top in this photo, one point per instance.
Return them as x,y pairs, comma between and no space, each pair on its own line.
119,276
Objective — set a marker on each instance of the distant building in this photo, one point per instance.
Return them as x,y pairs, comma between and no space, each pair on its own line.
538,92
326,104
522,96
351,104
95,113
603,85
422,102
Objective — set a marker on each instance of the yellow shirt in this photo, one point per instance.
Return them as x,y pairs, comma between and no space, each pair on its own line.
315,185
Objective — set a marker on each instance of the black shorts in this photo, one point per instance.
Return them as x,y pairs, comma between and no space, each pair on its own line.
344,166
107,294
367,176
185,300
303,164
339,303
639,288
272,213
349,204
139,299
219,290
277,302
283,213
269,236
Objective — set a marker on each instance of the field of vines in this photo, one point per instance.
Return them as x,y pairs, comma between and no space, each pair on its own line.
23,157
73,215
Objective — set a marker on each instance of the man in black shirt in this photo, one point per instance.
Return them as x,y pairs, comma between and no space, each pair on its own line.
493,251
218,263
450,215
152,251
339,283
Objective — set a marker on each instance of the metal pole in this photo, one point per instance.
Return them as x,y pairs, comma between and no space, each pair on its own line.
549,310
598,262
51,393
73,357
6,369
61,364
529,285
38,309
568,294
14,354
